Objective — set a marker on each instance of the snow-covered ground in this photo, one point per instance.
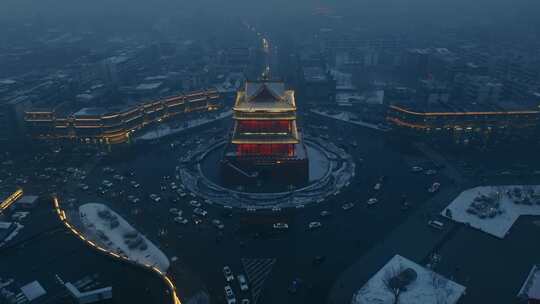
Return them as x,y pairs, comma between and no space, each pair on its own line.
166,130
507,213
318,164
350,118
429,287
12,235
113,238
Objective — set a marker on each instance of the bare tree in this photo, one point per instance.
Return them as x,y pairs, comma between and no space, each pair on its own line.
389,281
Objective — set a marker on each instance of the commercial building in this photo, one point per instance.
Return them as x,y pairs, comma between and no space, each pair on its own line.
265,142
480,123
116,124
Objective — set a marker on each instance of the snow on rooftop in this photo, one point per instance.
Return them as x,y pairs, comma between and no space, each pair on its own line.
531,286
114,238
33,290
428,287
165,130
148,86
28,199
350,118
499,218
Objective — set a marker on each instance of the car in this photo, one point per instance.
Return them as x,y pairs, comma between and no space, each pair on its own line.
325,213
229,295
417,169
218,224
377,187
197,221
242,282
347,206
136,185
281,226
295,285
314,225
434,188
180,220
244,301
199,211
227,272
301,206
430,172
173,211
195,204
155,197
372,201
436,224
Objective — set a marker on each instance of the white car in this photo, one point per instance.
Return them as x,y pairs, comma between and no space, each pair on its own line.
242,282
229,295
417,169
227,272
372,201
436,225
195,204
377,186
281,226
199,211
325,213
314,225
347,206
180,220
218,224
434,188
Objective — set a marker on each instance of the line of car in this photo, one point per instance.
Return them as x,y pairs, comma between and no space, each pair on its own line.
230,296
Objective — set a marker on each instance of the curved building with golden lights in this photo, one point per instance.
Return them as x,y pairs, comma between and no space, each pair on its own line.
114,125
486,123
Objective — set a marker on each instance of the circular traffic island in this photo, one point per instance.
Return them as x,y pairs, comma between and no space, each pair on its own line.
330,169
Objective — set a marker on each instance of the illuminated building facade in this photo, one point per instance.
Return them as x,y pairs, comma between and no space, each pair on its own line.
489,125
265,142
114,125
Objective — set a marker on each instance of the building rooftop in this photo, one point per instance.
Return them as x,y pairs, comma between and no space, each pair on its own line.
454,107
269,96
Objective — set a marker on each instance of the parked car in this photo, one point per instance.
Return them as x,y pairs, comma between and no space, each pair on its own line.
229,295
242,282
227,272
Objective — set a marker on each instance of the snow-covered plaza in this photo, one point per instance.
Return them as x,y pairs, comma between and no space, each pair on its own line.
494,209
111,231
426,287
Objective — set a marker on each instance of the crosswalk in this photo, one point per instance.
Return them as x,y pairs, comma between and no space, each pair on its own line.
257,271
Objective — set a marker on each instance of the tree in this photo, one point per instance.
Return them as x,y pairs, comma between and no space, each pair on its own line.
396,280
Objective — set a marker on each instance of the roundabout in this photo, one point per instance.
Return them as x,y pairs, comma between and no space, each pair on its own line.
331,169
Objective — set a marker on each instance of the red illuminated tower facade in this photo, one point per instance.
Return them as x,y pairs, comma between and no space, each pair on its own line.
265,142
